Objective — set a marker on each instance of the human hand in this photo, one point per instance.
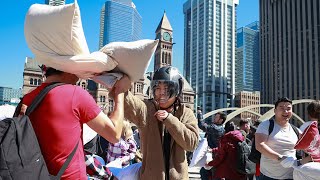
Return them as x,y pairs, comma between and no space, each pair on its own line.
122,85
288,161
161,115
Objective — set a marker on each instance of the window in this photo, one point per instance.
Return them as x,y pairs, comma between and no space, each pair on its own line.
110,105
31,81
83,85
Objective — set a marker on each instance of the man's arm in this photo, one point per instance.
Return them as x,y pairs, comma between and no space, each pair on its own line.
135,109
202,125
110,128
263,148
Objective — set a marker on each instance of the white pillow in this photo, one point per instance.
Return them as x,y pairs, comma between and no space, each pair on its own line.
133,58
55,36
308,171
84,66
199,157
6,111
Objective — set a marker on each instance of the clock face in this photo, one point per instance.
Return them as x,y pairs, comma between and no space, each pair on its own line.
166,36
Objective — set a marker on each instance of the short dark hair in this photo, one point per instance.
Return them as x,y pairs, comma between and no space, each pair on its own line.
51,71
283,99
243,122
230,126
223,116
314,109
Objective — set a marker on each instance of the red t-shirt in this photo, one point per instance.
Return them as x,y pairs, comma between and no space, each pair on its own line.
58,123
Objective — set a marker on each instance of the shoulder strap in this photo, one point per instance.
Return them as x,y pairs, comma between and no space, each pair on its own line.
271,126
37,100
66,163
295,129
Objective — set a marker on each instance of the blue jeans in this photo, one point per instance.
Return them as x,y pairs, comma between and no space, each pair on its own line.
264,177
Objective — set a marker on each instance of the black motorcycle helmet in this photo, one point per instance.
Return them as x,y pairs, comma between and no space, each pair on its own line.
171,76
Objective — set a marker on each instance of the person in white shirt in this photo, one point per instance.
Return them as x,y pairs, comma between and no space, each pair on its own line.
277,146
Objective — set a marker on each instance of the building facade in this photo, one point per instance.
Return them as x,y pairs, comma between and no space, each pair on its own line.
248,60
290,47
55,2
119,21
32,75
209,51
246,98
163,53
10,95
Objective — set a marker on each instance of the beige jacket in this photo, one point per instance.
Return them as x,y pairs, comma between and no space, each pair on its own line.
184,136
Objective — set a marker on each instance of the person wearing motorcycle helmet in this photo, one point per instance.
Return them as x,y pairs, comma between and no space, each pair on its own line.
167,127
166,85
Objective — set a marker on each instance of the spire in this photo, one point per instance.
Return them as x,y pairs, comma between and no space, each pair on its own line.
164,23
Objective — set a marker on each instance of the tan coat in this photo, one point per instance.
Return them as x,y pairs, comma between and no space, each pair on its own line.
184,133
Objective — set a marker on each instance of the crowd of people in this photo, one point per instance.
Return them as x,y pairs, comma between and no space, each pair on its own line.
151,134
161,129
275,139
157,132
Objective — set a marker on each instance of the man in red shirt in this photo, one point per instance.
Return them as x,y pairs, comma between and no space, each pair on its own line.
58,122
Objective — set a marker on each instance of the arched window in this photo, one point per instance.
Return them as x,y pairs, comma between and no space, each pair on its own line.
31,81
169,58
110,105
166,58
162,60
39,82
101,99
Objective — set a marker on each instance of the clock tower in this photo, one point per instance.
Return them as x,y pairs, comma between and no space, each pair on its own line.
163,53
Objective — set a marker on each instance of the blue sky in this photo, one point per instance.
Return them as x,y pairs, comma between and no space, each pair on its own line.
14,49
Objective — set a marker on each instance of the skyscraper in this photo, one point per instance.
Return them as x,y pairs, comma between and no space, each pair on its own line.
209,51
119,21
290,47
248,60
55,2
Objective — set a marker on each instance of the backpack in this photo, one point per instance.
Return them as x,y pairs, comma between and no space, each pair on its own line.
20,153
243,164
255,155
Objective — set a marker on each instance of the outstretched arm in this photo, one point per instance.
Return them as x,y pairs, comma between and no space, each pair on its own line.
110,128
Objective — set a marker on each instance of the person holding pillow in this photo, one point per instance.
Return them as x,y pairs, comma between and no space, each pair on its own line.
58,122
310,139
167,128
308,168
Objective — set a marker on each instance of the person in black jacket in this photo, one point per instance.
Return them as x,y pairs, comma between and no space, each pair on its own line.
214,132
